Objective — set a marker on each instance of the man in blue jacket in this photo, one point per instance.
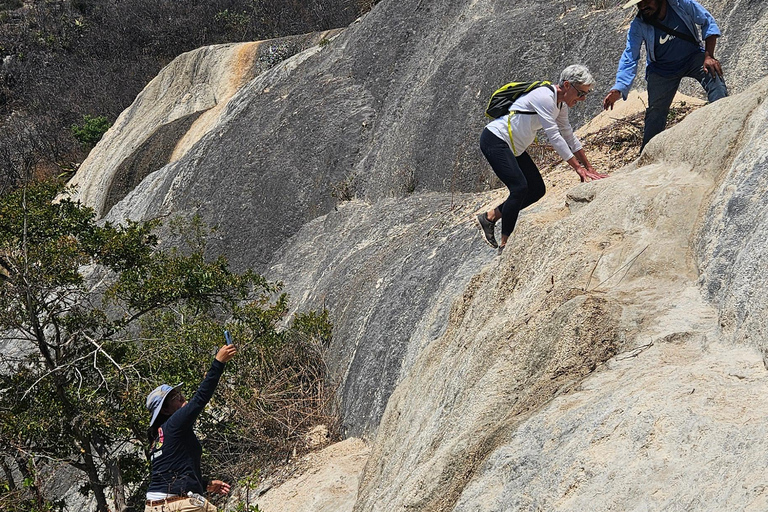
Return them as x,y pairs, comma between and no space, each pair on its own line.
675,49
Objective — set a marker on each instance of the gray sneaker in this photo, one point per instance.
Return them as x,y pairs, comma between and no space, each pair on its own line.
486,228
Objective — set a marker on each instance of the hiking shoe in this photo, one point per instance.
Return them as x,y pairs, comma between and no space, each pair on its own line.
500,250
487,227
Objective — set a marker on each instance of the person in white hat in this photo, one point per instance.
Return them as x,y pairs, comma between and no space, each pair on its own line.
680,38
176,482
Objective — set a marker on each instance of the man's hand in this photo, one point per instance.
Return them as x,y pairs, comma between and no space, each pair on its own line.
589,174
712,66
611,98
218,487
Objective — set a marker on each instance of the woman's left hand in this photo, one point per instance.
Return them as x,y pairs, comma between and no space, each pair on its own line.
218,487
589,174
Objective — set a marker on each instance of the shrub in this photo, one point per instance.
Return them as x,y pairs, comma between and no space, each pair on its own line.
91,130
7,5
88,356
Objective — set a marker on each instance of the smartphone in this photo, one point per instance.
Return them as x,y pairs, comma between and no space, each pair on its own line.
228,337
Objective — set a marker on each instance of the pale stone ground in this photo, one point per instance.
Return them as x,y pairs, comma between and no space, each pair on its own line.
328,482
612,274
563,177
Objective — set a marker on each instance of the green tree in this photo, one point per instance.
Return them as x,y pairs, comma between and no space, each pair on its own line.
97,316
91,130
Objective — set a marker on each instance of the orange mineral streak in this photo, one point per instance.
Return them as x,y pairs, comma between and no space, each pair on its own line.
241,71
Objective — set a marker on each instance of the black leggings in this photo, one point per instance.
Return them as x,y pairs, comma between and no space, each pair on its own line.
519,174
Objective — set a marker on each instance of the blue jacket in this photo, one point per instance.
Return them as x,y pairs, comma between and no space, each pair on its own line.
692,14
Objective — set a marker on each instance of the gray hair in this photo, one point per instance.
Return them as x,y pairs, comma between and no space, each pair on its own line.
577,74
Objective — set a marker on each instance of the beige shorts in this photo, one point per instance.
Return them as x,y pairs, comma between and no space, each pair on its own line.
185,505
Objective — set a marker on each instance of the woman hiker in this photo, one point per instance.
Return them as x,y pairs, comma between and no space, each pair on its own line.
175,452
504,142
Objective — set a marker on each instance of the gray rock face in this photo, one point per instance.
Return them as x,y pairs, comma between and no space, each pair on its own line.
388,274
183,103
661,432
600,378
731,248
260,146
616,337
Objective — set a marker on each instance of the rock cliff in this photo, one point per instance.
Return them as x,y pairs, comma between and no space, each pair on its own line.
260,140
609,360
588,368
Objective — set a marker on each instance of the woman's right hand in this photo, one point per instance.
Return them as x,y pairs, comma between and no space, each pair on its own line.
589,174
226,353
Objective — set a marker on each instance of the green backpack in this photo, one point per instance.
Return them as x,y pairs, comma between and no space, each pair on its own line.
504,97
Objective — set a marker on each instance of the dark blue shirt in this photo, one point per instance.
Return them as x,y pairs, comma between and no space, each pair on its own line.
672,53
175,454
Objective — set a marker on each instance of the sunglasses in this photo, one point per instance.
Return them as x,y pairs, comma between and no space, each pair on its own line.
579,92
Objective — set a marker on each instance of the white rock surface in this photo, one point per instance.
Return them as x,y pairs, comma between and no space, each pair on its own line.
677,426
471,426
329,483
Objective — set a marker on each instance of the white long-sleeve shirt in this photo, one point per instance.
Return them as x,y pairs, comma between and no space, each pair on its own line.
550,116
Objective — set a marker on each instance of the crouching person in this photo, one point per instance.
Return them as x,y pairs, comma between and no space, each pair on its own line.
504,142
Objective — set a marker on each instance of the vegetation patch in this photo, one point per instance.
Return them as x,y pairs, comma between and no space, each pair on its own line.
611,147
8,5
84,357
91,130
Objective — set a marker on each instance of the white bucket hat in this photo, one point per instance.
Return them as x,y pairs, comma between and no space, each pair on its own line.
156,399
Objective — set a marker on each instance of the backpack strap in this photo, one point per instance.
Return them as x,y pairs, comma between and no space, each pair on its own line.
509,128
513,112
548,86
659,25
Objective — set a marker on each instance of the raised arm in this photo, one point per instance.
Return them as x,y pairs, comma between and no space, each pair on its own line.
185,417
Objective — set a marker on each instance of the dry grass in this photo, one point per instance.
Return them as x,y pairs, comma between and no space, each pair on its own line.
273,413
611,147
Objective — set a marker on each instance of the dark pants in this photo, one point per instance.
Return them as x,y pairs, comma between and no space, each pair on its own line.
519,174
662,89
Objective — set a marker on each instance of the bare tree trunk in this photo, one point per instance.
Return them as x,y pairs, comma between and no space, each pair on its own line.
30,475
8,474
116,474
118,486
93,476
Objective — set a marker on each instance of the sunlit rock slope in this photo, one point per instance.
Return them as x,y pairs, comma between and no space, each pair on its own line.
609,360
174,111
391,107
